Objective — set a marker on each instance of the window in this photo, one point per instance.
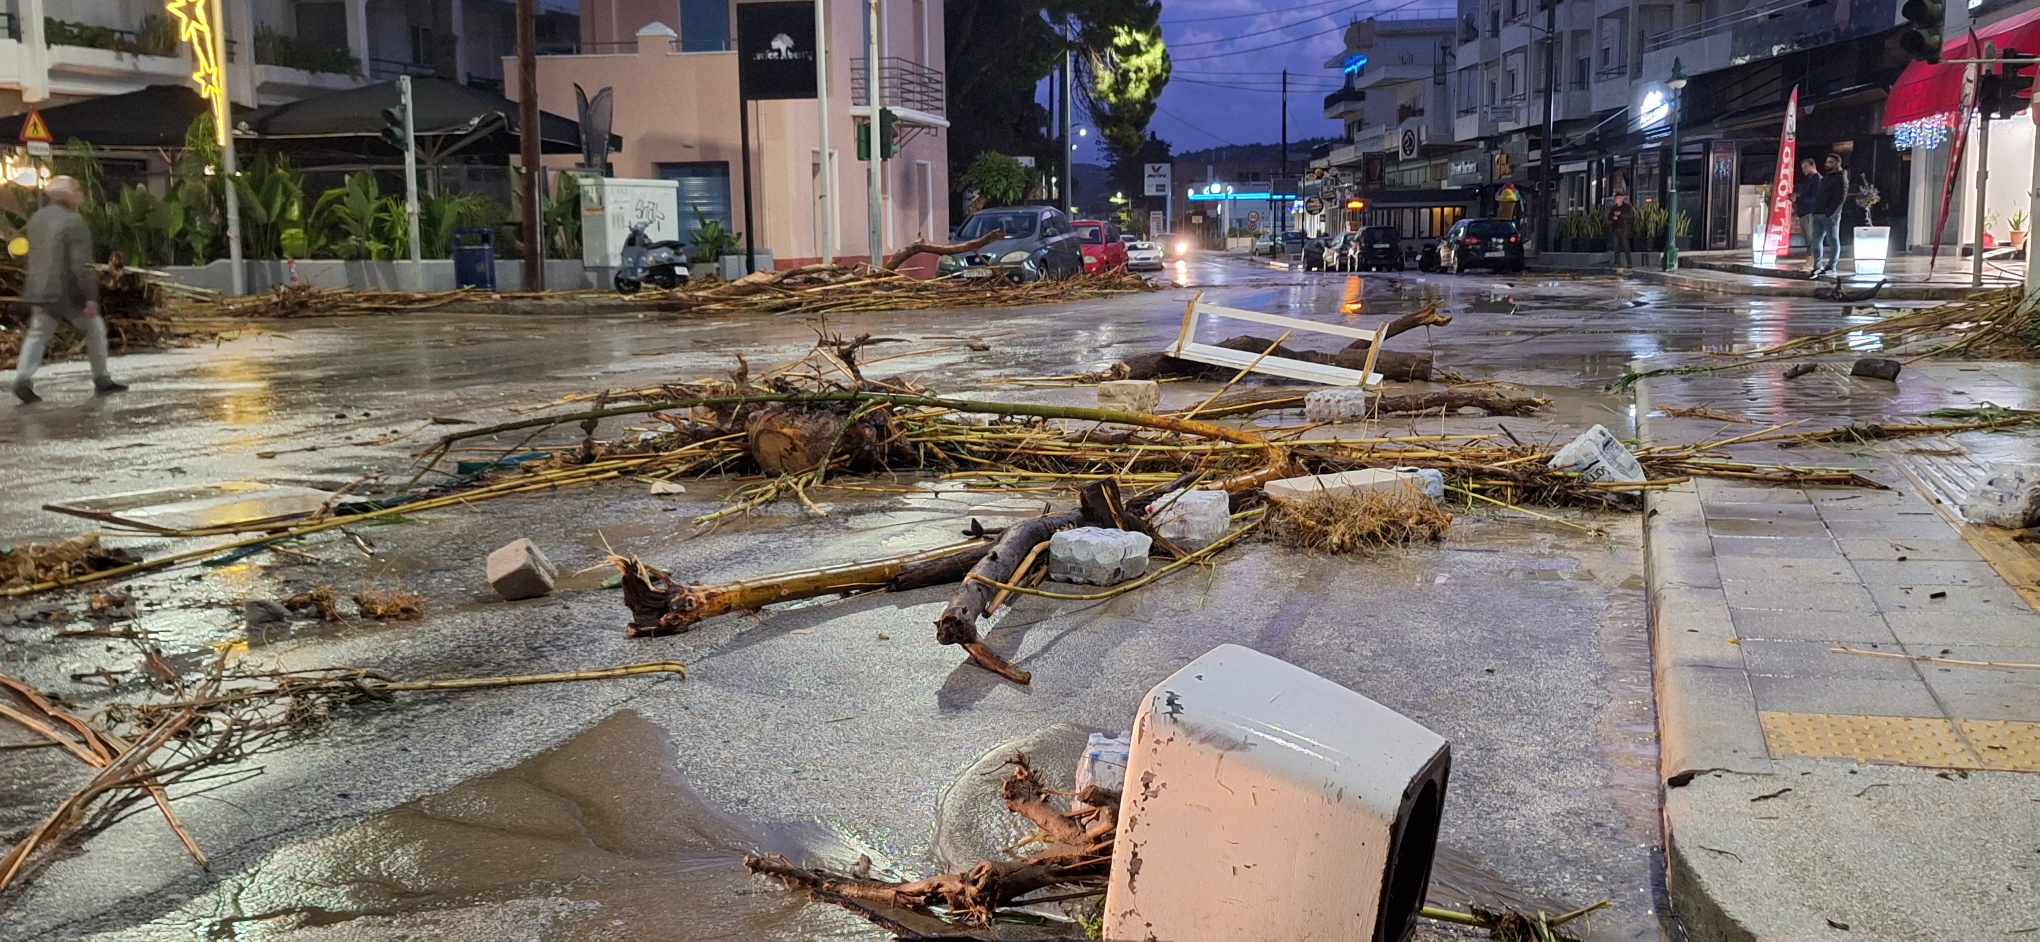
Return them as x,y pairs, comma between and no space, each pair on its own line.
1579,72
421,45
704,25
704,189
924,191
1610,44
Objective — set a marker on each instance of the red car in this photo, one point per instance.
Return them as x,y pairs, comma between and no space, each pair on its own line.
1102,249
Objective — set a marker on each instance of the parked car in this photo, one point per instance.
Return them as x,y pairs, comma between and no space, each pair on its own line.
1345,252
1380,249
1129,239
1102,249
1482,243
1291,244
1037,242
1143,256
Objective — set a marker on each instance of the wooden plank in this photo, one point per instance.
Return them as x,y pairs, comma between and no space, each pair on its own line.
1277,320
1276,366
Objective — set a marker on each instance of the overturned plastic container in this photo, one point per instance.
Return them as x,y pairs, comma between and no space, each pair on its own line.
1265,802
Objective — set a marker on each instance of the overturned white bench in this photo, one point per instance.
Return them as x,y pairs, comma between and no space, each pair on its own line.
1187,347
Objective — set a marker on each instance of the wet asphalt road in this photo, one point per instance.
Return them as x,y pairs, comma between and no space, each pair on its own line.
1520,640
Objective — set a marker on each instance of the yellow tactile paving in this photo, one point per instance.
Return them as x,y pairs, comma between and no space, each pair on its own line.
1892,740
2007,745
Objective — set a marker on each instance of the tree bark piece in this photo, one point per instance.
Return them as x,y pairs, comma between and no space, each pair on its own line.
958,622
924,247
660,606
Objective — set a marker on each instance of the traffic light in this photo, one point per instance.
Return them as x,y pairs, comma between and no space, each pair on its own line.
2018,84
393,128
888,136
1922,36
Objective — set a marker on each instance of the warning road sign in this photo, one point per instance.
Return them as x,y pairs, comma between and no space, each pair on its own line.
34,130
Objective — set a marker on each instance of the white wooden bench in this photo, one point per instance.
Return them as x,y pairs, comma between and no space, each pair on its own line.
1187,347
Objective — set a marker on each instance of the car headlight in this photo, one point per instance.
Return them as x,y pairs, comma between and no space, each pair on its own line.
948,263
1015,257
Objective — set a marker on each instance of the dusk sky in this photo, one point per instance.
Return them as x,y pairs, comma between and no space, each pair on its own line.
1229,56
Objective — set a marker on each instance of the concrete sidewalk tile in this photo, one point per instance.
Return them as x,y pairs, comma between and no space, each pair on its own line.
1902,528
1684,567
1953,548
1691,626
1929,571
1832,497
1923,629
1762,547
2003,653
1830,627
1831,569
1970,693
1707,719
1880,696
1952,600
1732,510
1716,489
1819,659
1793,596
1927,742
2006,745
1781,528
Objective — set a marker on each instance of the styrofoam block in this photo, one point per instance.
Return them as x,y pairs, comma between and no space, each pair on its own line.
1192,520
1342,484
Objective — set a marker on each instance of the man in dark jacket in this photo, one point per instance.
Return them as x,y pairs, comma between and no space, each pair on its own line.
1621,226
62,286
1834,190
1803,200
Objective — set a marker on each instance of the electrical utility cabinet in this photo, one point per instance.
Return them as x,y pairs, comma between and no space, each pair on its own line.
610,206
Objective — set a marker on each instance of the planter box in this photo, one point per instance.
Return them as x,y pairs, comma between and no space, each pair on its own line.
733,265
699,270
1873,246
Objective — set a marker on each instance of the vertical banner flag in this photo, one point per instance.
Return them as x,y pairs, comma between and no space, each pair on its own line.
1954,162
1778,231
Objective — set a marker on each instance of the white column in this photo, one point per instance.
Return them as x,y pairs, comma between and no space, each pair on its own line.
357,32
826,184
455,22
241,71
35,52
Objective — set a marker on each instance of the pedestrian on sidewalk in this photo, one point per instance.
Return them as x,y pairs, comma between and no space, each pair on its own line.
1834,190
1804,200
62,286
1621,225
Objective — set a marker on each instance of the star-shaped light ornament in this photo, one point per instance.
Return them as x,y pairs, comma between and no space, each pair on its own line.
195,28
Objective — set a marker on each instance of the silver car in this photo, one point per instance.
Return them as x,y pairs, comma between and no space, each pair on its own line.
1035,242
1143,256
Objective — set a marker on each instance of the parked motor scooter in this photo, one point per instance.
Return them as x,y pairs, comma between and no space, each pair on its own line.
660,263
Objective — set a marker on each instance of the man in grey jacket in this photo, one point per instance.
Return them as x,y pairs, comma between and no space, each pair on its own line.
62,286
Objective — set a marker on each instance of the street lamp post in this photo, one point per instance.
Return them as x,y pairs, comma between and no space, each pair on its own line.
1677,83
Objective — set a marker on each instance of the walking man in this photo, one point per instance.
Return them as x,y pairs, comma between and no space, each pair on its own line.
1621,225
62,286
1834,189
1803,201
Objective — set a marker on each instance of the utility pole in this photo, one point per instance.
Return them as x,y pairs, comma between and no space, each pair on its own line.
527,141
2033,199
227,163
825,185
1547,182
875,168
411,180
1274,195
1069,141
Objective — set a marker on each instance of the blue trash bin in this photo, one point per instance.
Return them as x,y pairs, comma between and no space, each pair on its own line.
474,258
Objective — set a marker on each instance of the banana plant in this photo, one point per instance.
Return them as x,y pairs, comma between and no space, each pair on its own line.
272,201
351,221
440,217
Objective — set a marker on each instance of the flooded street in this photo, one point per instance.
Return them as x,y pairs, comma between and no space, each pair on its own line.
820,730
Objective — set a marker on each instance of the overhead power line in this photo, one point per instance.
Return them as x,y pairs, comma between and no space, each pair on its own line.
1271,29
1294,39
1235,16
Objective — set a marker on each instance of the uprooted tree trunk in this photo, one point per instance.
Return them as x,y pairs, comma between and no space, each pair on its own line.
797,440
1079,853
1492,398
660,606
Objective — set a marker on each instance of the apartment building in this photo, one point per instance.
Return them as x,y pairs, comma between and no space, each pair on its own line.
58,51
1601,69
674,81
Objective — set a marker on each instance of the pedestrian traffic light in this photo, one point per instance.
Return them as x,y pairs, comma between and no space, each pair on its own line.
2018,83
888,127
393,128
1922,36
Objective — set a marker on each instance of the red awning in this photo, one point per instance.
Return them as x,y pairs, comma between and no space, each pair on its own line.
1927,89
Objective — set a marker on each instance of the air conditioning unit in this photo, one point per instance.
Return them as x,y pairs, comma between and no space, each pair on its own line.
1265,802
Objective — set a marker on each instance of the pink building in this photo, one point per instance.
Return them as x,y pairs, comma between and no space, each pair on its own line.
675,79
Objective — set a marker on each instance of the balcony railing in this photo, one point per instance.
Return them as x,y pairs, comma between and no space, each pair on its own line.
1344,95
577,48
906,83
1618,70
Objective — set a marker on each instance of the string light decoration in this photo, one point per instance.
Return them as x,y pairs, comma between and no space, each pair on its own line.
1921,133
195,27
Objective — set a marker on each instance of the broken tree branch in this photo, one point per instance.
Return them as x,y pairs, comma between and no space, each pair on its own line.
925,247
659,606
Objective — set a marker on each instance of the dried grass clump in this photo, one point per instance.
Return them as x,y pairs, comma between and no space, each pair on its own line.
322,601
38,562
389,604
1366,522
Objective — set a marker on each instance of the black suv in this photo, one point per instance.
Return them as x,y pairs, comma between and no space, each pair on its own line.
1482,243
1380,249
